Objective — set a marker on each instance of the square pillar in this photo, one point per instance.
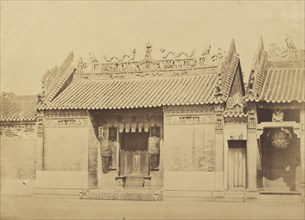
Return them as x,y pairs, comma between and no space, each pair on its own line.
219,166
93,155
252,152
39,142
302,151
39,153
251,160
219,154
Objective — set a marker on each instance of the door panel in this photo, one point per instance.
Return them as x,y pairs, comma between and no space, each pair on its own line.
237,168
134,163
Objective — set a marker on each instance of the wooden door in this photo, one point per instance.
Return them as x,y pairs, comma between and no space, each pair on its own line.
134,154
237,167
134,163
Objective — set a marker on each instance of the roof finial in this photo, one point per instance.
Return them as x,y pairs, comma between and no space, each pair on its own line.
148,57
289,43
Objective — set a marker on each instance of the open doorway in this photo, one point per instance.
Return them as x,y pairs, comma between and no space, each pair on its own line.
281,157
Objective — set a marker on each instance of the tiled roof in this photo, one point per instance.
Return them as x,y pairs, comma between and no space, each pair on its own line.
136,93
230,76
277,76
283,85
18,108
60,84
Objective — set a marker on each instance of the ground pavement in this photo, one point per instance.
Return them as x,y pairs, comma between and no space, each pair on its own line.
13,207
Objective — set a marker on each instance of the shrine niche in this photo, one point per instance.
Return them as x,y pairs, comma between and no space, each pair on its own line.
129,144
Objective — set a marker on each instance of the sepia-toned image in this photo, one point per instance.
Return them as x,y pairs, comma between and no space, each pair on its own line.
152,110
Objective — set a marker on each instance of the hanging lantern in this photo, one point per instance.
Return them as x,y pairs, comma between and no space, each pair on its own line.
279,138
106,162
106,150
153,145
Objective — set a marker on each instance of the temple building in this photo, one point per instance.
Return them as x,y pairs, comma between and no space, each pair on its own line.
180,125
155,124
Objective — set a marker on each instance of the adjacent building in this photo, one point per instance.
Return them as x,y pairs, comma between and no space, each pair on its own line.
276,118
17,140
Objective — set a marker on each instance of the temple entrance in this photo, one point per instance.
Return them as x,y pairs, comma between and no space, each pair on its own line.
281,157
237,164
134,154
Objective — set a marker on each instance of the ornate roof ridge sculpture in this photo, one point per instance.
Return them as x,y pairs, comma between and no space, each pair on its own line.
284,66
111,59
290,53
169,61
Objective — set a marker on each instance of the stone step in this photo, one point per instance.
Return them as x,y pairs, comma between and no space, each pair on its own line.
235,194
74,192
194,195
123,194
201,199
187,193
281,196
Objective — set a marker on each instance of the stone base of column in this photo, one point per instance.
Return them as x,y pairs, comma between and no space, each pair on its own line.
251,194
303,190
218,194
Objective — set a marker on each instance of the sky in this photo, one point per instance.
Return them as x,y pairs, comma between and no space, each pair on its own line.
38,35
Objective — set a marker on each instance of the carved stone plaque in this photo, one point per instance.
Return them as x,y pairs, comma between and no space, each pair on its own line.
66,122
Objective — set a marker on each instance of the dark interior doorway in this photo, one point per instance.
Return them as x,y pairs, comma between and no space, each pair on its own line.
134,154
280,164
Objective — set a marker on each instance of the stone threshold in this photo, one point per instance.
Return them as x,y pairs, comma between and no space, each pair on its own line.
136,194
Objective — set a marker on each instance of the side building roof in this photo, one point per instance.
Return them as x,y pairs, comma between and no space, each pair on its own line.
17,108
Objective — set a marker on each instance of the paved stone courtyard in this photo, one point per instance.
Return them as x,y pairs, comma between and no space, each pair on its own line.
72,208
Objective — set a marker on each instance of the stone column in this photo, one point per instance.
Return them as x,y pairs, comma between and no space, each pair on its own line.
252,150
39,142
302,151
39,153
40,160
92,158
219,158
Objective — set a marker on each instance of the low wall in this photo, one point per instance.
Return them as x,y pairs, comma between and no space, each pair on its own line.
188,180
18,157
61,179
